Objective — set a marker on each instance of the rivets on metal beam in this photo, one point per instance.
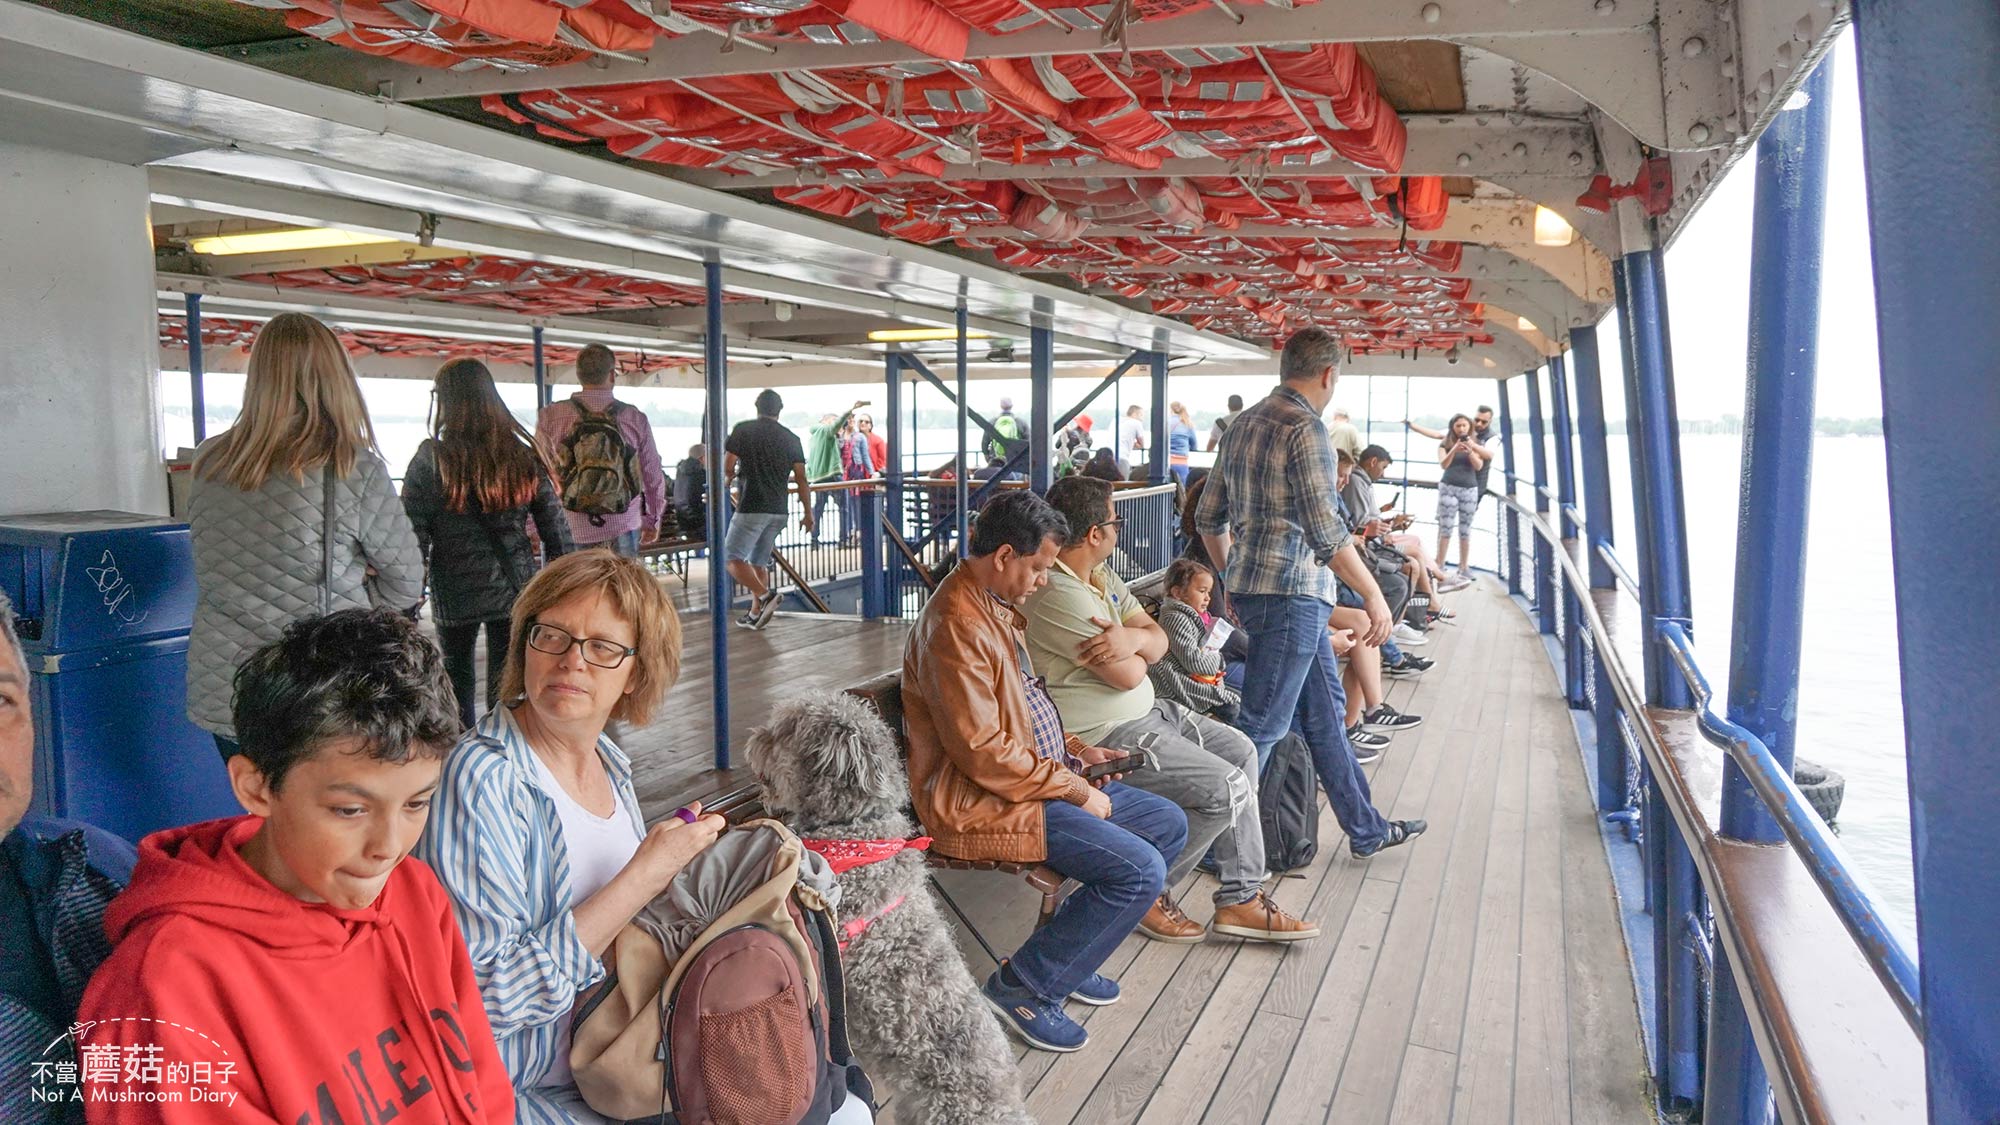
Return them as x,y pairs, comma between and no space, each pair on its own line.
1520,148
1694,47
1514,221
1603,293
1606,7
1699,132
1478,229
1766,82
1576,160
1465,160
1433,13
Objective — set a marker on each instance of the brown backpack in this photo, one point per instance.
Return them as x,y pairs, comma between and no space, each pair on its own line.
722,1002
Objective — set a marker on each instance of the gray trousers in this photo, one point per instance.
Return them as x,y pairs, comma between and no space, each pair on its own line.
1209,769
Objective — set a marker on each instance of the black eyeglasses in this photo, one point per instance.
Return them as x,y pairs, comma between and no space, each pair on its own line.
596,650
1113,522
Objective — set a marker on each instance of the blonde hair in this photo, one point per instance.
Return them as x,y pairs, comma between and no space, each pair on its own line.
634,594
302,408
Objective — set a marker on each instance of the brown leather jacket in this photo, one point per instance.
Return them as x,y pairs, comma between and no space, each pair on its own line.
975,779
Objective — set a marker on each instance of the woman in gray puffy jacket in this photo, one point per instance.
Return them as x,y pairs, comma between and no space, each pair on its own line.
292,514
470,491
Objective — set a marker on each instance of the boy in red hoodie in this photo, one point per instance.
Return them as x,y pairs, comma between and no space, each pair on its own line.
293,965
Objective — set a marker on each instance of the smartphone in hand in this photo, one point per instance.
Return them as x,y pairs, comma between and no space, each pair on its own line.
1130,763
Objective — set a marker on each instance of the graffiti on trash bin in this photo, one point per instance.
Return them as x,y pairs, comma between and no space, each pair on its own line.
119,596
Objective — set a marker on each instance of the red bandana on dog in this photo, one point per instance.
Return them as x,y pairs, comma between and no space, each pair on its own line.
846,855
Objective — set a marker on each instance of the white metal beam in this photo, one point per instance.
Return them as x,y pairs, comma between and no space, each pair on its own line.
1439,145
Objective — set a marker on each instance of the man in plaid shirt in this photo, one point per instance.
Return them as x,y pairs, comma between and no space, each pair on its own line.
1267,518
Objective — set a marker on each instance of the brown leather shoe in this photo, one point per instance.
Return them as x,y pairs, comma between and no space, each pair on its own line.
1260,919
1165,922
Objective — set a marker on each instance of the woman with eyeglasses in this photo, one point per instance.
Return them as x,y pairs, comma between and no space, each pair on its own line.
470,491
535,830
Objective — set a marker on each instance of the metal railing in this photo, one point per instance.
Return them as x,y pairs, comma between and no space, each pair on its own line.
1647,796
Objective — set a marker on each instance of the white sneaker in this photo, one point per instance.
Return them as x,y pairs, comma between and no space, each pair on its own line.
1454,582
1410,638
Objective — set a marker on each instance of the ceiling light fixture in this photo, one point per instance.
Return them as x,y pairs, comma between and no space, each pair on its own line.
918,335
290,238
1552,229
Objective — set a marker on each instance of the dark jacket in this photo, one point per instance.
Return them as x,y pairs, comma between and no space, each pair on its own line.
68,873
478,561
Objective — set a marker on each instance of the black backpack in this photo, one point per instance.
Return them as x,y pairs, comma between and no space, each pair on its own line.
1288,805
600,472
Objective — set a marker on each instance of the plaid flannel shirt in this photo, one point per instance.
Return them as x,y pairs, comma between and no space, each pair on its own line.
1272,489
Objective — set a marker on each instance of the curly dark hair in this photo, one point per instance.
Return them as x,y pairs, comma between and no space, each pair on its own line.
359,673
1082,502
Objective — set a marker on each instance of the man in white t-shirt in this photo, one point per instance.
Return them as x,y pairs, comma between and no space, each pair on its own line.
1131,438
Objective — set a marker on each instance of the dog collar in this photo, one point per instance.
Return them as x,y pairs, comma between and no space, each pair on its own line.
846,855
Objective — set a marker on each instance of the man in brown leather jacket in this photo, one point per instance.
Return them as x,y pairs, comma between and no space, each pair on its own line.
993,777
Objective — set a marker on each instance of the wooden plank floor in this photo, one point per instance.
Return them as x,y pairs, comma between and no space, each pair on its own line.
1476,975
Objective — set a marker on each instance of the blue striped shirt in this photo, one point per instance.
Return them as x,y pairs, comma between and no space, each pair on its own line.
495,841
1272,489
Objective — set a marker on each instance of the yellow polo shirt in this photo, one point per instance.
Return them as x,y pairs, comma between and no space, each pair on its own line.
1058,620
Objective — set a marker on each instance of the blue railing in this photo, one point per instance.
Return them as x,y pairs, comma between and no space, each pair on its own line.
1808,834
1818,851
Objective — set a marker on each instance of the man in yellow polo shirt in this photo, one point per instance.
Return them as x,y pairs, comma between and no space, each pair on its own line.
1092,641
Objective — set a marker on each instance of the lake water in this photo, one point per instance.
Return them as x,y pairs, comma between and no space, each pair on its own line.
1850,698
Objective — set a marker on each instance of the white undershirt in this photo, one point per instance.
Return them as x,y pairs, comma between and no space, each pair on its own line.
599,847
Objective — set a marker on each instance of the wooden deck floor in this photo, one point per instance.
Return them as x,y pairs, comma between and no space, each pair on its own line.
1477,975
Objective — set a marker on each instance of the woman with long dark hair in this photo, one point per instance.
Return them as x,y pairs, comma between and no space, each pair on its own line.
470,491
1461,456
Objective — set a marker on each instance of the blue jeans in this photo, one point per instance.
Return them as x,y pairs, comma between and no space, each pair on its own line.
625,543
1292,682
1122,866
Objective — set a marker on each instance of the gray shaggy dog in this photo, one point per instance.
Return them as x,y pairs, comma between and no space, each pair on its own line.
830,770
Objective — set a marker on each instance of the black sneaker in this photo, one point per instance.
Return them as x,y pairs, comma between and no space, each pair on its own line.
1411,665
1367,746
1387,720
1400,832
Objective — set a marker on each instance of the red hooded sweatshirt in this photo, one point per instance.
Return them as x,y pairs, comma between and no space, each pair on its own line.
226,999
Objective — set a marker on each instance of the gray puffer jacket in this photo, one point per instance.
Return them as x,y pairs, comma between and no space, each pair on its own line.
257,563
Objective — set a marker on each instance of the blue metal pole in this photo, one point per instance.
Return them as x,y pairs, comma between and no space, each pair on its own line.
1565,445
541,370
964,462
1545,561
1041,417
892,484
1930,92
715,361
1635,446
1590,441
1653,413
1589,380
197,393
1512,563
1665,596
1156,461
1785,253
1565,504
874,591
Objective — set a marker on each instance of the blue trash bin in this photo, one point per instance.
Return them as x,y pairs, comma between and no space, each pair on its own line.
106,601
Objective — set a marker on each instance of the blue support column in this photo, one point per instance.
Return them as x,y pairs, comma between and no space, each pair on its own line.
1565,504
541,370
1545,560
874,591
1512,541
1156,456
1930,92
197,393
1565,445
1589,379
965,466
1785,253
1676,897
715,369
1041,415
891,569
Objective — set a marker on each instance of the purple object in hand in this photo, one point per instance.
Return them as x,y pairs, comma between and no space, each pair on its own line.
686,814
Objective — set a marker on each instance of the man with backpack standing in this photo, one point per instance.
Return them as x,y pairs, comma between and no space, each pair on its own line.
604,459
823,465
